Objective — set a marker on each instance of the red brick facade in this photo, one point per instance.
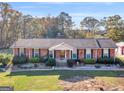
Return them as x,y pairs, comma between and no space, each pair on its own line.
99,53
94,53
16,51
112,52
81,53
43,52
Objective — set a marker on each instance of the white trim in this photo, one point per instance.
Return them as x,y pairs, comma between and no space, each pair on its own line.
35,51
20,51
88,51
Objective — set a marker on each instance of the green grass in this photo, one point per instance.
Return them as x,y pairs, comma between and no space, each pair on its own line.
48,80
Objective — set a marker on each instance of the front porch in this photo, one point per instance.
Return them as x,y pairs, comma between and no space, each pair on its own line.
61,52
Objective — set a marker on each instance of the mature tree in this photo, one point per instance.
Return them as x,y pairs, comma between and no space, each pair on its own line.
89,24
115,27
65,23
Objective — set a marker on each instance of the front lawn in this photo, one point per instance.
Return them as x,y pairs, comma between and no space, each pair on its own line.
49,80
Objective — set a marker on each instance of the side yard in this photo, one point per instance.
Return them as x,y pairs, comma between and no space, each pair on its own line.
63,80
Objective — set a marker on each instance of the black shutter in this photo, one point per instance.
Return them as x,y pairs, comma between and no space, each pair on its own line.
18,52
91,53
32,52
77,53
102,54
24,51
71,54
109,53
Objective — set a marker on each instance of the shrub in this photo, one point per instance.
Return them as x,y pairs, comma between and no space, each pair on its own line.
120,60
81,60
105,60
5,58
70,63
19,60
44,59
50,62
89,61
97,66
34,60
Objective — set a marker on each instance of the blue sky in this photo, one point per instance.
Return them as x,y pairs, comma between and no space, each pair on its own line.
77,10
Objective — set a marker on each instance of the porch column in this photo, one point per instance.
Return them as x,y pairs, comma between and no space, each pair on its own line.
29,53
53,53
70,54
65,54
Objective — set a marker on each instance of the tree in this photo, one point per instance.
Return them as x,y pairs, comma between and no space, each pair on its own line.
114,25
65,23
89,24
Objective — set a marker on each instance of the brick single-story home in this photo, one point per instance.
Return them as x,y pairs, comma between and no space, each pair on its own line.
63,49
120,49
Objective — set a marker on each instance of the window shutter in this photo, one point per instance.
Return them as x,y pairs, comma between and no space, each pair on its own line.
91,53
32,52
17,51
109,53
102,53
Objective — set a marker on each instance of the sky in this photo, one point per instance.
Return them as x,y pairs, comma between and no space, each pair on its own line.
77,10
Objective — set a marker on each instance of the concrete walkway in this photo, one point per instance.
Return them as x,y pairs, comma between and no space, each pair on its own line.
74,68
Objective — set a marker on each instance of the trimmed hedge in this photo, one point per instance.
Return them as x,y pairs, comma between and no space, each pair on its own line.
105,60
34,60
19,60
50,62
89,61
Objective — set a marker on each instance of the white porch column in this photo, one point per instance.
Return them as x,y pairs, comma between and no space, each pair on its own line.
65,54
70,54
29,53
53,53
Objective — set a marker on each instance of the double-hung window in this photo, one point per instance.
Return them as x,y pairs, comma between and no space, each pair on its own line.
21,52
105,53
36,52
88,53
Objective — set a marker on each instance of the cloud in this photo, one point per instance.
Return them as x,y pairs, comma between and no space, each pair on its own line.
31,7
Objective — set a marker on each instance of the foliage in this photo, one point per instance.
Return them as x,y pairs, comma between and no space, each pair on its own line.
5,58
50,62
120,60
89,61
19,60
105,60
34,60
70,63
44,59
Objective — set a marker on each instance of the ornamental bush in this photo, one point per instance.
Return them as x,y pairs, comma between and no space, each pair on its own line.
50,62
70,63
19,60
120,60
89,61
105,60
5,58
34,60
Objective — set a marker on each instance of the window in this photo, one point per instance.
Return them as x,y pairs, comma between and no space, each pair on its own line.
36,52
22,52
74,56
105,53
62,54
88,53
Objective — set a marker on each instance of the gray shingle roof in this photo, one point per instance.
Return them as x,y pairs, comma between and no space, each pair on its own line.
77,43
106,43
